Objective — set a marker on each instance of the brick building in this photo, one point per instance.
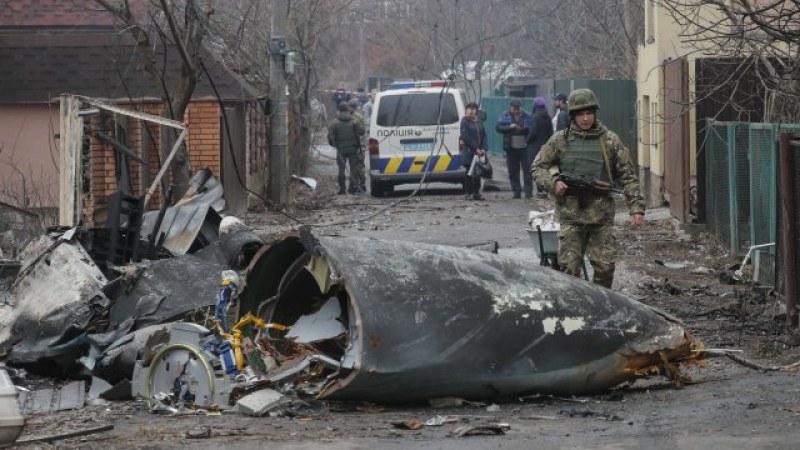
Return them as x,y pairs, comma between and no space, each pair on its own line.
73,46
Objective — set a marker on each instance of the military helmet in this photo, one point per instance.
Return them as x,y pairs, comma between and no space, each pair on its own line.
580,99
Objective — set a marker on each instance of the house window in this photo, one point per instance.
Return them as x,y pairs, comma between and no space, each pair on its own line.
650,21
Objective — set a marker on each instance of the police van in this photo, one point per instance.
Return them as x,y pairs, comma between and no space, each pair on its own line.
413,133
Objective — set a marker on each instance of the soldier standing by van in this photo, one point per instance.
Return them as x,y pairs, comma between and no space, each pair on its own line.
515,125
589,151
345,134
358,117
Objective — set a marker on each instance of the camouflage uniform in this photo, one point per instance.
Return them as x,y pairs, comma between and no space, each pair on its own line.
590,229
358,117
345,134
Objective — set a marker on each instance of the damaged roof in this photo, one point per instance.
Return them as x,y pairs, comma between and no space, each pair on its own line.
37,66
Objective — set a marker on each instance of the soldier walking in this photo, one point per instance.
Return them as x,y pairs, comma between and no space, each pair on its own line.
345,134
587,149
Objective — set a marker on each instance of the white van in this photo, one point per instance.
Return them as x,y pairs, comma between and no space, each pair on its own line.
413,133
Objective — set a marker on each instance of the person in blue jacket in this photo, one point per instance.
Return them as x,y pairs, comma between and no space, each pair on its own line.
472,143
515,125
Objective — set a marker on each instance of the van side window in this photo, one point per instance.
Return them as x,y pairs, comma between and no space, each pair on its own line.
417,110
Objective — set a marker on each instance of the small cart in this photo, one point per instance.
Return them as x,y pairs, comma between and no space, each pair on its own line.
545,245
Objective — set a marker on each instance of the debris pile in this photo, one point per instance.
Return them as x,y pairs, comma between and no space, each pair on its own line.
312,317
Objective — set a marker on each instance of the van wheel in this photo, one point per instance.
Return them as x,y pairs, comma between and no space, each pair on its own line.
376,188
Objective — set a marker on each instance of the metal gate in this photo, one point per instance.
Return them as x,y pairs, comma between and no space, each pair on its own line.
232,156
676,137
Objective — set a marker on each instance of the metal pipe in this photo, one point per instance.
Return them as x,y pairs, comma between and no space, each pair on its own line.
164,168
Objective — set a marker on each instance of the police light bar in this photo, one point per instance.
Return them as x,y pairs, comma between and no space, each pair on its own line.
418,84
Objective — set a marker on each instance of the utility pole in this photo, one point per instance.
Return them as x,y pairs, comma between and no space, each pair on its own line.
278,119
361,52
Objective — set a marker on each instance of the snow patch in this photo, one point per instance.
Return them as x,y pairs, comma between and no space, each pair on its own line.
568,324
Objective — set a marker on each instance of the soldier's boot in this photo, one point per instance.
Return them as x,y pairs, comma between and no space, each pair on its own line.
603,274
342,189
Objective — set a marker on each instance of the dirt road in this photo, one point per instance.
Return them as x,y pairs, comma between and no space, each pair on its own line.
724,406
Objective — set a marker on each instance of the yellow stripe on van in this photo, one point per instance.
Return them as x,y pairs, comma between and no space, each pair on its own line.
394,164
442,163
418,164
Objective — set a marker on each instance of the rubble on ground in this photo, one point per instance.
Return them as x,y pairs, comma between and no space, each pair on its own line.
315,318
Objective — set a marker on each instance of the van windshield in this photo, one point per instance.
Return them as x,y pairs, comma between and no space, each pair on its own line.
416,110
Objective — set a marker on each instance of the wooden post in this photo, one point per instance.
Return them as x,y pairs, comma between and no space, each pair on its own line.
70,181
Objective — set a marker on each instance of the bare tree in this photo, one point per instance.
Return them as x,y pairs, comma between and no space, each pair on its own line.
761,36
568,38
183,24
240,38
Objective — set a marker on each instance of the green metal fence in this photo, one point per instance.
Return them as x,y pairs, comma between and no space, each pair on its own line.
741,188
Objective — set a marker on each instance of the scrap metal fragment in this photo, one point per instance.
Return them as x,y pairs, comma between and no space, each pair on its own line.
46,401
492,429
320,325
259,402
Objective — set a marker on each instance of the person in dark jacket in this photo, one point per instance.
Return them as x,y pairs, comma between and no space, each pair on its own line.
561,119
340,95
515,125
541,130
472,143
345,133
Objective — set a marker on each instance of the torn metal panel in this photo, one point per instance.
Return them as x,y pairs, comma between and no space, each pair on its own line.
46,401
57,298
320,325
456,322
193,222
204,189
116,362
186,228
165,289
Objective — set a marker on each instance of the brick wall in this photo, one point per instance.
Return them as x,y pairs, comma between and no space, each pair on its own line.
203,139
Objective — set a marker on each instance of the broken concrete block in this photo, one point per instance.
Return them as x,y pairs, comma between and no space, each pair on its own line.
260,402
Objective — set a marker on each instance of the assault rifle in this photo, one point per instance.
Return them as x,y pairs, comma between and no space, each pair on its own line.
584,186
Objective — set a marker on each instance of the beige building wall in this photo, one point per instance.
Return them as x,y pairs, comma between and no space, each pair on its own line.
29,155
662,43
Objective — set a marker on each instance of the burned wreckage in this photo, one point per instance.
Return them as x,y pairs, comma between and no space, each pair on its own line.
327,317
188,309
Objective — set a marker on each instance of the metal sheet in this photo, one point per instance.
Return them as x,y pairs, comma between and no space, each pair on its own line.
57,298
45,401
167,288
193,222
431,321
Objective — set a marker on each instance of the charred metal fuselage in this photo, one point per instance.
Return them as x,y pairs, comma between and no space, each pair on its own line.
426,321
